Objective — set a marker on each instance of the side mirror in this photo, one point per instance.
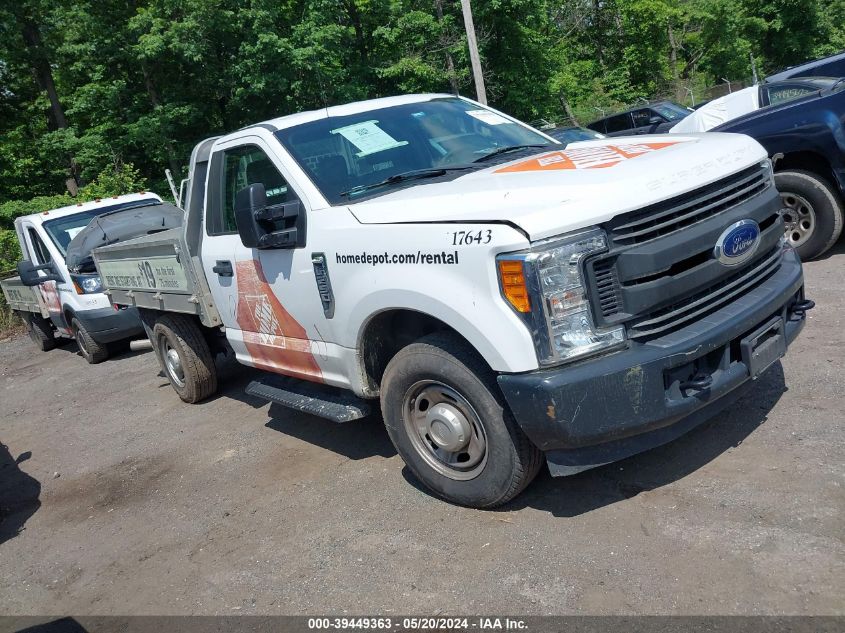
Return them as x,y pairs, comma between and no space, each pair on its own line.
29,273
247,202
263,226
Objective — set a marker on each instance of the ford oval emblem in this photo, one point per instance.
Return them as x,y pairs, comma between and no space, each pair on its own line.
738,242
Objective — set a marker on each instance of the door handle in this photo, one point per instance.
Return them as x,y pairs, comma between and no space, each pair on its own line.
223,268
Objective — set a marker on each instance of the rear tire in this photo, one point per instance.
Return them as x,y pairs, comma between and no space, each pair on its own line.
185,357
446,417
40,330
91,350
812,212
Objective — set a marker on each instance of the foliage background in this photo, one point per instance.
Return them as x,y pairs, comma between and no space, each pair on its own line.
87,85
98,97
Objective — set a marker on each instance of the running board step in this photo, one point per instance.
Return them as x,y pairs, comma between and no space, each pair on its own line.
323,401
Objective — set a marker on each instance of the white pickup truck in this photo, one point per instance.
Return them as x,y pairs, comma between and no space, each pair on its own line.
503,298
57,302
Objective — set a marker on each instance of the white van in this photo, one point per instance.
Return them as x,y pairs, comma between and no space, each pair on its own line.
55,301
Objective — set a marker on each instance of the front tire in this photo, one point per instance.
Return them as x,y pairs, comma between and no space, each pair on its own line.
92,351
446,417
812,212
185,357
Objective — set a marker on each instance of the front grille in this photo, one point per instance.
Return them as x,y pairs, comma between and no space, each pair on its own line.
607,285
677,213
701,304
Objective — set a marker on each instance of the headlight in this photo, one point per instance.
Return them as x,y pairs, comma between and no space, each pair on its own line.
545,286
769,171
87,284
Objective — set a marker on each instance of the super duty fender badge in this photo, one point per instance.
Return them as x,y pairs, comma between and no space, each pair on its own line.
737,243
324,284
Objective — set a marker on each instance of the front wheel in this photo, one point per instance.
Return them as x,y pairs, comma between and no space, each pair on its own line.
92,351
185,357
447,419
812,212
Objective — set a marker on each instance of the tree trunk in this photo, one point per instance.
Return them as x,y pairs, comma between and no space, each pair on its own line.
152,93
569,113
358,27
43,75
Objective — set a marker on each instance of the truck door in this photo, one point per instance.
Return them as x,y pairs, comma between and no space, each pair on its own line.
267,298
49,290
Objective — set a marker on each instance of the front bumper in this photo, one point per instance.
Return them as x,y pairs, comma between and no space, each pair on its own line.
608,408
107,325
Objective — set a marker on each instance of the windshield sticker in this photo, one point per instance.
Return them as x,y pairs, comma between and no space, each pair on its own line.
368,137
485,116
587,157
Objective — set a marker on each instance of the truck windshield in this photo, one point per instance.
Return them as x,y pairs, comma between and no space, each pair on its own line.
63,230
672,111
367,154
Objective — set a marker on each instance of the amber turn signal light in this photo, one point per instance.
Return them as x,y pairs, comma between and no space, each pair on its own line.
513,284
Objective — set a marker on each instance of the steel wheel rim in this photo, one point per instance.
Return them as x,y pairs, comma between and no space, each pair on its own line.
173,364
80,341
799,218
445,430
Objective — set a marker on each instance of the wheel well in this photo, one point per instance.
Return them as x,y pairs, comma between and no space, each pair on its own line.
215,338
388,332
807,161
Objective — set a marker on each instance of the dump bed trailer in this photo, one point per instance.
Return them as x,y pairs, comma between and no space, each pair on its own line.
21,298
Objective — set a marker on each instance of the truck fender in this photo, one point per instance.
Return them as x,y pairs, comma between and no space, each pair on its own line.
513,355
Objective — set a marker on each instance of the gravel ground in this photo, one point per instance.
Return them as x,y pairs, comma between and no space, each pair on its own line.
127,501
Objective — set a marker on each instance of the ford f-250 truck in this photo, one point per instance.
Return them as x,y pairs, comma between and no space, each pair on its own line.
56,300
505,299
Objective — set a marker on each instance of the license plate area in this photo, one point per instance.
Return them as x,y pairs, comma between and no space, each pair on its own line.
763,347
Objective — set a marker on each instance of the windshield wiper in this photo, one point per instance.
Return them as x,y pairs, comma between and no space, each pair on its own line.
414,174
509,148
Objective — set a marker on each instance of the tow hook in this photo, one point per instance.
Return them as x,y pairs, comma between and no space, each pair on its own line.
800,308
699,382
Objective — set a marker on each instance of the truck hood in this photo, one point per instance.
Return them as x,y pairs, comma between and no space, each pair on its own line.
582,185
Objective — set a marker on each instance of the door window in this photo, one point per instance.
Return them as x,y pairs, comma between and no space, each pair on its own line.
619,123
780,94
642,117
242,167
40,252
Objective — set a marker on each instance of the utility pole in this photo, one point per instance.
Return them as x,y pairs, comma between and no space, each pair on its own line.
481,93
754,69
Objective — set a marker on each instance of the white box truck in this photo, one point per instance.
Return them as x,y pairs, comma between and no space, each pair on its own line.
504,299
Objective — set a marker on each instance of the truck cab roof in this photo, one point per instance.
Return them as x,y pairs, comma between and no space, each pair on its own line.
282,122
81,207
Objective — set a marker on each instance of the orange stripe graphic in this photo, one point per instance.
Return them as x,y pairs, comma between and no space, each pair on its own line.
586,157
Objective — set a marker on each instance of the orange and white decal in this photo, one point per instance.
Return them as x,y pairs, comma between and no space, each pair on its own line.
50,293
274,339
586,157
